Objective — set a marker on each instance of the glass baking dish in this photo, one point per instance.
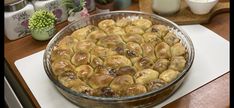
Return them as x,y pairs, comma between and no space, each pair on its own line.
148,99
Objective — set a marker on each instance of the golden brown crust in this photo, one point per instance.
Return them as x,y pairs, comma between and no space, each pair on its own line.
142,23
119,83
123,22
61,66
168,75
106,23
177,63
100,80
84,46
117,61
148,51
118,58
161,30
133,30
135,90
146,76
133,38
162,50
80,58
84,72
171,39
178,49
161,65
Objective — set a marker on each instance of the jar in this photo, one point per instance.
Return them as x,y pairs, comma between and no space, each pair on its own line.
166,7
16,15
54,6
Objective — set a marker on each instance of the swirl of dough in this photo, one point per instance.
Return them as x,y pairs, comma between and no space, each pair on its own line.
171,39
126,70
80,34
101,69
113,30
178,49
105,92
161,65
95,61
148,51
162,50
177,63
58,53
143,23
84,46
102,52
84,72
133,49
100,80
123,22
110,41
133,30
169,75
119,83
161,30
156,84
81,87
117,61
60,66
106,23
133,38
120,48
143,63
96,35
145,76
80,58
135,90
67,78
67,42
152,38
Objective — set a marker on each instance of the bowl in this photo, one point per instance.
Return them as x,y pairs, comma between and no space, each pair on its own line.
201,7
148,99
166,7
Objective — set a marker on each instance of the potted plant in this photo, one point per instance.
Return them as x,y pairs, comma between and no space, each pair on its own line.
105,5
76,9
42,25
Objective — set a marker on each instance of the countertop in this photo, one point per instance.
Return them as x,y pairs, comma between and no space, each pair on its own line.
218,94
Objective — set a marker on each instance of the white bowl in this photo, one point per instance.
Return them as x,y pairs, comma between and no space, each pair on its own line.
201,7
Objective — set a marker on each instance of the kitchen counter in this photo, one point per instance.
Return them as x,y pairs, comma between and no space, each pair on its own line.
218,88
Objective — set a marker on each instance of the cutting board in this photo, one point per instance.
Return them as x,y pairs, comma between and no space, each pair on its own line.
185,16
212,59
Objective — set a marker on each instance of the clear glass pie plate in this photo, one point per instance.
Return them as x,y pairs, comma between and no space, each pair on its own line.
148,99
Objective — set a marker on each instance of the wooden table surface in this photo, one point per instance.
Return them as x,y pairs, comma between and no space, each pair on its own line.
215,94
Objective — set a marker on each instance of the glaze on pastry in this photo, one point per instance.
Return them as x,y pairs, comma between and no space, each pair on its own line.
118,58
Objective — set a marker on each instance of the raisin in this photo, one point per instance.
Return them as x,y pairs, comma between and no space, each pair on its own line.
112,72
107,92
131,53
126,70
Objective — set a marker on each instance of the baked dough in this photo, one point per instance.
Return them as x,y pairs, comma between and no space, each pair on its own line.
126,57
169,75
146,76
162,50
177,63
134,30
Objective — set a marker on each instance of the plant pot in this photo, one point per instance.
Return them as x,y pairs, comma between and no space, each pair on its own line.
108,7
45,34
77,15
